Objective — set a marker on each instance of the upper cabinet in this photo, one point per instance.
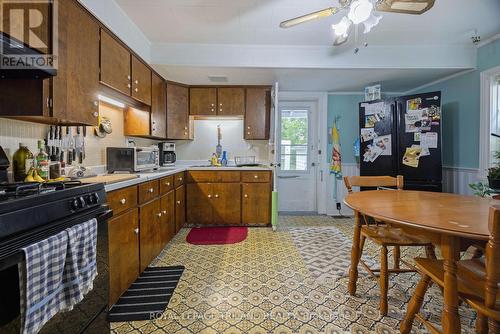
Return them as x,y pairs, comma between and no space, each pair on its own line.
216,101
123,71
158,107
178,126
203,101
257,113
230,101
115,64
141,81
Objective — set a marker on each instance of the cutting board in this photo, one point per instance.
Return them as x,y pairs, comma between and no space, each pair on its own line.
109,178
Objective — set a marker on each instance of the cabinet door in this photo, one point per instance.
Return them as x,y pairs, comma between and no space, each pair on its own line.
115,64
257,113
149,237
167,227
177,112
136,122
202,101
199,203
227,203
141,81
158,107
75,88
256,206
180,208
230,101
123,238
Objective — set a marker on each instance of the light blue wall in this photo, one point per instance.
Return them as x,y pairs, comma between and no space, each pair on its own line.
461,96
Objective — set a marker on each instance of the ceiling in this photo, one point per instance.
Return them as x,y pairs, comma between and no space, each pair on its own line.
331,80
193,39
256,22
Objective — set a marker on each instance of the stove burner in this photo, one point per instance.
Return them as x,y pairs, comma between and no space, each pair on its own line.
22,189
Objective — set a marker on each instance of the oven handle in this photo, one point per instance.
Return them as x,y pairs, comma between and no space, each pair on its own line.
106,215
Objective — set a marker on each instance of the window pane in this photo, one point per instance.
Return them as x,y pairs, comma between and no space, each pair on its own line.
495,121
294,139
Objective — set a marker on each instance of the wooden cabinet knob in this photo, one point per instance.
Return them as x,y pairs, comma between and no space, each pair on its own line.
248,133
96,114
216,196
151,190
128,86
96,103
185,128
185,133
246,196
179,202
123,201
159,214
220,109
209,196
213,105
180,179
248,127
255,176
136,82
164,212
220,104
128,77
136,90
136,231
167,184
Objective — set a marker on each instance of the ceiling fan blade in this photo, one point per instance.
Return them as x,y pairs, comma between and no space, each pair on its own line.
340,40
309,17
415,7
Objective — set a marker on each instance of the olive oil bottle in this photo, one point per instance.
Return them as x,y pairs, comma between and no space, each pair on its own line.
22,162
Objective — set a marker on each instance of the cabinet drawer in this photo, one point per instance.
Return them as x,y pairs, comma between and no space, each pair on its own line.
166,184
122,199
213,176
179,179
255,176
148,191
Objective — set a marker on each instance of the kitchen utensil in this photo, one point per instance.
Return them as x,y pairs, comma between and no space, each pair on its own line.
71,144
78,146
104,128
218,148
83,141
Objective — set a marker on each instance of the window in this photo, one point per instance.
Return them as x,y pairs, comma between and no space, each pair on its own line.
294,145
494,120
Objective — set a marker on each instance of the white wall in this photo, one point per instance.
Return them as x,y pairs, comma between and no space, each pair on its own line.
205,140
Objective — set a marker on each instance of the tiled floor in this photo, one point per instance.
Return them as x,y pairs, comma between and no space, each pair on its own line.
290,281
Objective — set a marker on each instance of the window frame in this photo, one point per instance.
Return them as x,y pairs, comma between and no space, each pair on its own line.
487,85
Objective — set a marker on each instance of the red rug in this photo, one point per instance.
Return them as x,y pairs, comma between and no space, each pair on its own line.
216,235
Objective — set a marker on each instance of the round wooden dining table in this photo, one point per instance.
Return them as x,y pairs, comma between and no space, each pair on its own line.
450,221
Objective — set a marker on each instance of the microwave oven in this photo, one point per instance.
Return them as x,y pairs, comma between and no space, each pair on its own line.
132,159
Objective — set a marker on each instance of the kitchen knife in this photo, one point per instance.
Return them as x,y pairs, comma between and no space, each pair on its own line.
84,130
69,139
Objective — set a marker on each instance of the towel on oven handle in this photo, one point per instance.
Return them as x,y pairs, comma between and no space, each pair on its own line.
81,262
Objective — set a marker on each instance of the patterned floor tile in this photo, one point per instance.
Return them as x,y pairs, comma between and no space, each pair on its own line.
293,280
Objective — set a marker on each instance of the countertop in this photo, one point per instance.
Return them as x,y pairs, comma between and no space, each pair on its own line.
166,171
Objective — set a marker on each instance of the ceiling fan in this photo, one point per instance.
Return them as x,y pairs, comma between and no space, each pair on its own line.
361,11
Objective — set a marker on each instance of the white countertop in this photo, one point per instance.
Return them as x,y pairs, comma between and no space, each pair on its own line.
166,171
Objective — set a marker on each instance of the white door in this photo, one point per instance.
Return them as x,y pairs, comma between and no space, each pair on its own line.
298,156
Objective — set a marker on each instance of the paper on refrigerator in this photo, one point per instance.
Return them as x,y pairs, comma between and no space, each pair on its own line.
384,143
429,139
368,134
412,156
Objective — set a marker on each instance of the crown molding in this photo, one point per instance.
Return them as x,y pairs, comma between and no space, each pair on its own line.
488,41
455,75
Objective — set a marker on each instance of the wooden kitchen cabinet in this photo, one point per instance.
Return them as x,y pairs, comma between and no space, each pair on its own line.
166,184
180,207
257,114
141,81
122,200
230,101
167,225
149,235
123,240
203,101
178,126
136,122
158,107
115,64
226,203
256,204
199,203
148,191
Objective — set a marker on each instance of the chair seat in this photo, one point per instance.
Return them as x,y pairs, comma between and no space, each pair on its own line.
471,277
390,236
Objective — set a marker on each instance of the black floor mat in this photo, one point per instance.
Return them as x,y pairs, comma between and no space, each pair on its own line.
148,296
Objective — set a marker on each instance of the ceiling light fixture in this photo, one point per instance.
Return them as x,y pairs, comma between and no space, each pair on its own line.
371,22
341,29
360,11
111,101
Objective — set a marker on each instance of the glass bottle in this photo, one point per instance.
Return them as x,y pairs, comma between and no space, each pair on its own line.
42,161
22,162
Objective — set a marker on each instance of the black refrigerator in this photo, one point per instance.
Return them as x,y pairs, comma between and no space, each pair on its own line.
402,136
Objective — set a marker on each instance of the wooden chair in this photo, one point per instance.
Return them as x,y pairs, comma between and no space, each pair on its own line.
478,282
385,236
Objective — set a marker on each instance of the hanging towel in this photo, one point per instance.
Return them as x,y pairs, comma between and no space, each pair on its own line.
81,263
41,276
336,163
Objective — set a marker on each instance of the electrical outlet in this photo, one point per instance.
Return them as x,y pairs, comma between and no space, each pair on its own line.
339,207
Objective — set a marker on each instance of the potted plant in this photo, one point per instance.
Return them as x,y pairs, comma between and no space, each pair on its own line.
481,189
494,173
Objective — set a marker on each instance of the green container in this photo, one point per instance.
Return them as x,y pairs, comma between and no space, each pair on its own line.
22,162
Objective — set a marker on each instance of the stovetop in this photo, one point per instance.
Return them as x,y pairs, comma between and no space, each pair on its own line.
28,205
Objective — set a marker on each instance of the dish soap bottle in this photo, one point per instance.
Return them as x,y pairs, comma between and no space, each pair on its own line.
223,160
42,162
22,162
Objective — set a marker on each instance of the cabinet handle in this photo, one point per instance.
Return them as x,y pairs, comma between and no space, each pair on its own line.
179,202
167,184
159,214
213,109
185,133
255,176
248,133
129,77
246,196
248,127
96,103
180,179
213,105
151,190
123,201
216,196
220,109
220,104
209,196
185,128
164,212
136,231
136,90
96,114
128,86
136,82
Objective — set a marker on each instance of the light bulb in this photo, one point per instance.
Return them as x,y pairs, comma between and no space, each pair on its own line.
371,22
360,11
342,28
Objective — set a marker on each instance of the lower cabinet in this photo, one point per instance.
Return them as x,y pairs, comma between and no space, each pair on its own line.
180,207
149,236
256,206
123,234
167,226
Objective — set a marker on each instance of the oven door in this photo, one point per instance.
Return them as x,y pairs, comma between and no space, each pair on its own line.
146,159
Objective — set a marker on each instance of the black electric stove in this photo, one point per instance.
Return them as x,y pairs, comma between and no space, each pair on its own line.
31,212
